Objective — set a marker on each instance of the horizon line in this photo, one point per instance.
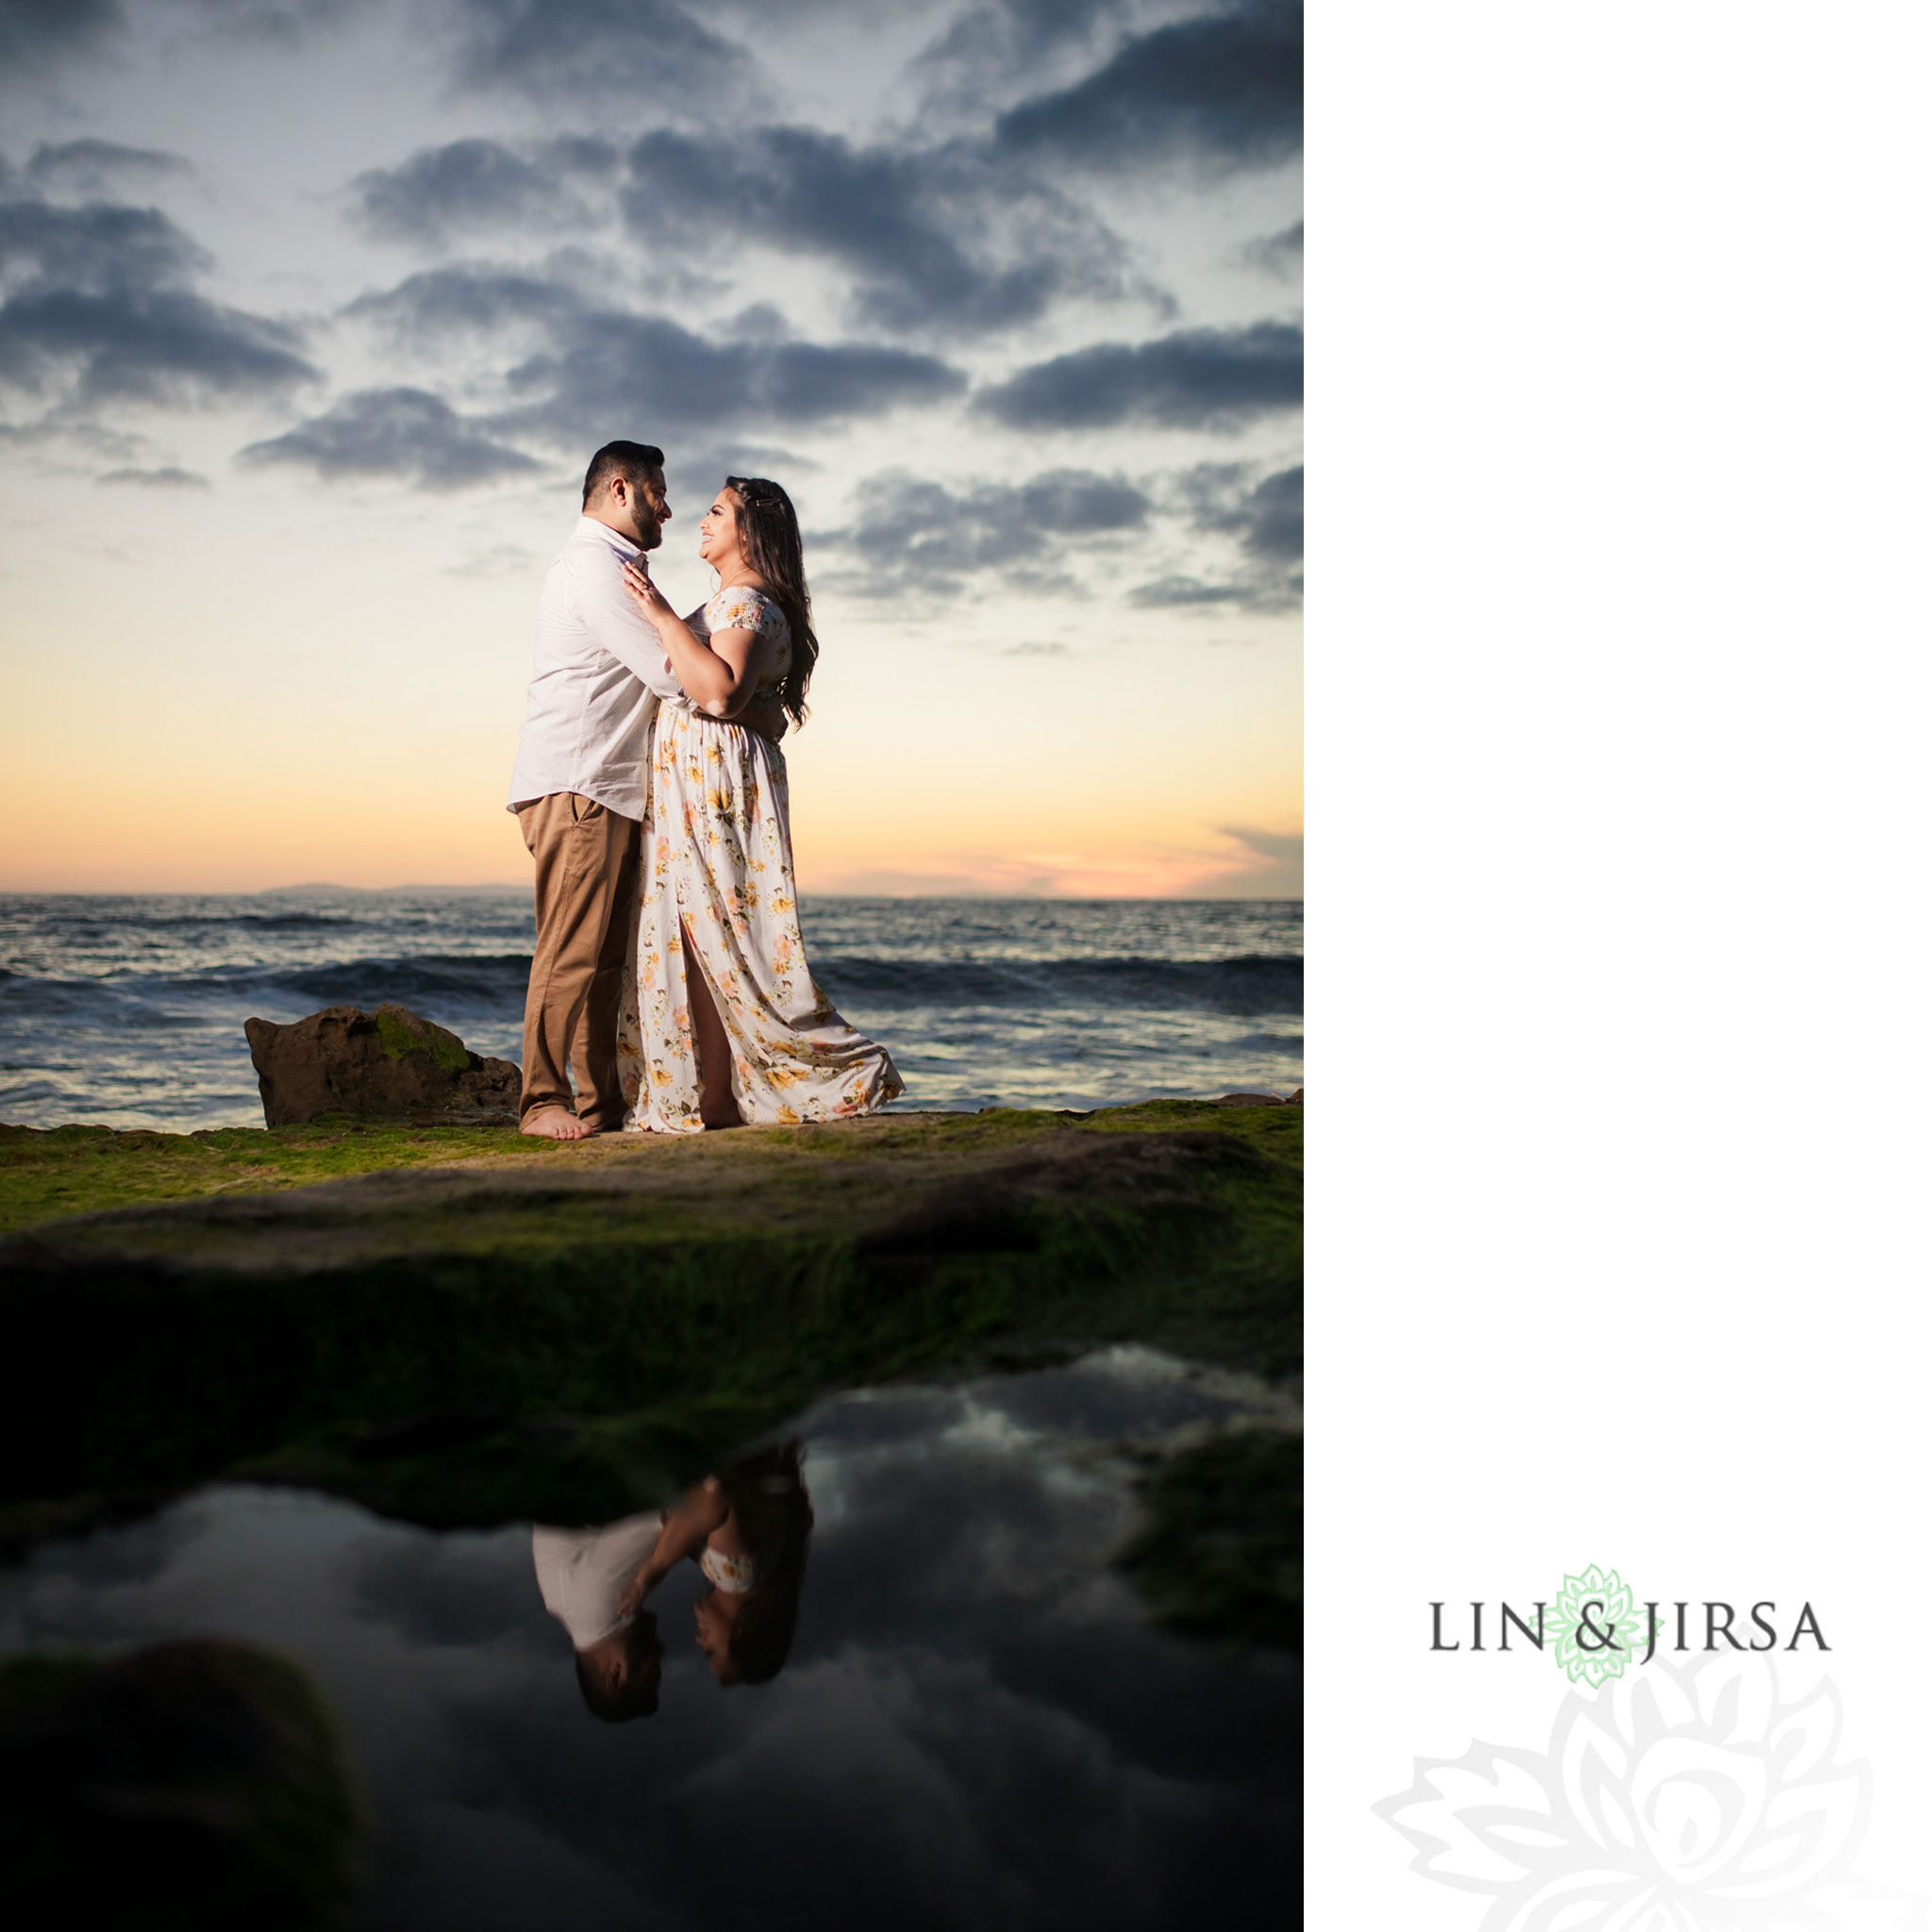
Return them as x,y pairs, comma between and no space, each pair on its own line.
523,886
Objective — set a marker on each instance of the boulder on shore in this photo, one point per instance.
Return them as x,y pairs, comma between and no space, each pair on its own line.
384,1065
201,1783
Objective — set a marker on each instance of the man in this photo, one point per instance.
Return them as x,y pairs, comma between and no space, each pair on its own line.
581,1573
579,788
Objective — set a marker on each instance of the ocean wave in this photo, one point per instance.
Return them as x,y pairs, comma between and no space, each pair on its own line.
485,979
259,921
1249,983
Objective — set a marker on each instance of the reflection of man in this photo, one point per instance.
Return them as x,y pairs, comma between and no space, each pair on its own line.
582,1573
578,790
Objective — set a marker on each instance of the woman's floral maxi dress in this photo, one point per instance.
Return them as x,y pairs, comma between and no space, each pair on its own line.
717,859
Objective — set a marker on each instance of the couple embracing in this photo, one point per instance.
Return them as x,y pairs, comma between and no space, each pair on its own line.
669,973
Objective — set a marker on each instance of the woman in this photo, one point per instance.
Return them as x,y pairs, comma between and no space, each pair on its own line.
721,1023
749,1530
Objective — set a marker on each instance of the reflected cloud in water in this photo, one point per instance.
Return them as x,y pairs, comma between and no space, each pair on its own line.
962,1718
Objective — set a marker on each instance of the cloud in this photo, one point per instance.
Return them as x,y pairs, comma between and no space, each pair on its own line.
1275,517
607,367
98,248
1266,516
36,33
951,236
1195,379
988,46
1274,871
630,51
276,23
405,434
33,32
429,308
587,370
1165,594
97,311
1276,254
90,167
1222,91
168,478
476,184
914,536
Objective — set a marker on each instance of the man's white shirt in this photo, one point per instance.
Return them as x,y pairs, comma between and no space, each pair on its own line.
582,1573
599,675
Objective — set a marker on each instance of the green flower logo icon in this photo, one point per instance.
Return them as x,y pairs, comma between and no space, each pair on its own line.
1598,1630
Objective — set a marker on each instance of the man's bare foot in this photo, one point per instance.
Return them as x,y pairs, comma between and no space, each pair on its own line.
554,1124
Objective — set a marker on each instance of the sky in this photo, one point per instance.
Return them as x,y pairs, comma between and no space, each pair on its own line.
311,312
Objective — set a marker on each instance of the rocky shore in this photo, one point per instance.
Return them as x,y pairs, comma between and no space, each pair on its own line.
456,1324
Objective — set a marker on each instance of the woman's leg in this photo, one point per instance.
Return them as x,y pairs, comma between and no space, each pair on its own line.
716,1106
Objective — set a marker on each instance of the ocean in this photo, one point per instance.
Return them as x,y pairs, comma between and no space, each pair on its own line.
127,1010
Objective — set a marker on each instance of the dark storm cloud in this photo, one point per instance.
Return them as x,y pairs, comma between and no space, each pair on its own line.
1194,379
627,51
405,434
88,167
477,185
950,237
97,310
912,534
1224,90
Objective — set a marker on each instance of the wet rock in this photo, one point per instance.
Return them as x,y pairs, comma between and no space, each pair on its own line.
384,1065
194,1784
1219,1551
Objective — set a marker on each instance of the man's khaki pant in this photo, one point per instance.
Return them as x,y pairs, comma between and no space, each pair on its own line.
587,877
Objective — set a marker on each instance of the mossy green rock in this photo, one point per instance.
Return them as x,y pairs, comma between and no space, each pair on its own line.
199,1785
562,1330
1218,1551
389,1064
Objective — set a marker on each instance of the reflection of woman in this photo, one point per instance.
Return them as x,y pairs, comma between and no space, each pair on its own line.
720,1020
582,1573
748,1531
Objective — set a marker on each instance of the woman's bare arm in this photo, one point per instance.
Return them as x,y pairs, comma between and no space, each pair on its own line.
719,674
699,1512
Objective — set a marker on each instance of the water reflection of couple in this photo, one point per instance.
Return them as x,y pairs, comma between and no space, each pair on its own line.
649,785
747,1530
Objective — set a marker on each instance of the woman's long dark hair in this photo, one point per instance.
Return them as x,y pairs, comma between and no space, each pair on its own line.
768,535
768,1495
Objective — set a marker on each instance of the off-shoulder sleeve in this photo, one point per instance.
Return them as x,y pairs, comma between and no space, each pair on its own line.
738,608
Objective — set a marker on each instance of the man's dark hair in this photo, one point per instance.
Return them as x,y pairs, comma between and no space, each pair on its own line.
633,461
637,1696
